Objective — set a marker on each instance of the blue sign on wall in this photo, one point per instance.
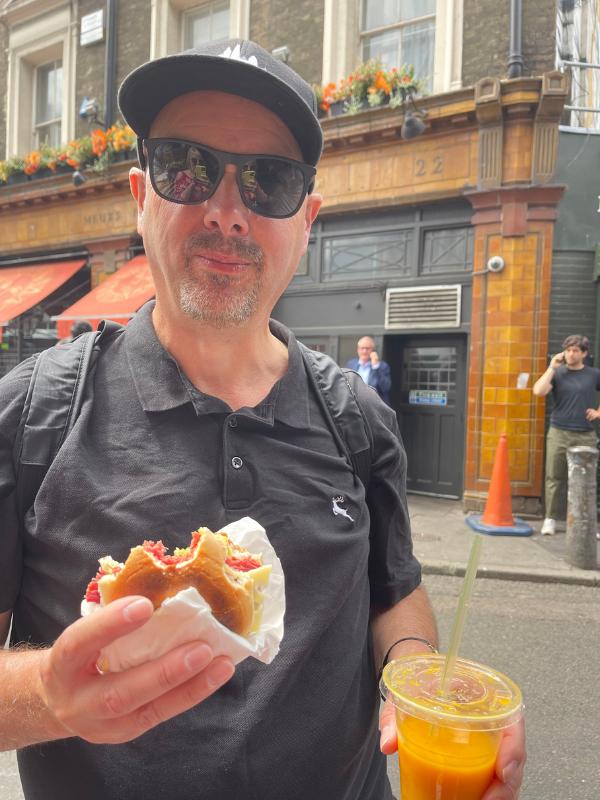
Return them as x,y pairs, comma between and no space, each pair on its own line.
427,397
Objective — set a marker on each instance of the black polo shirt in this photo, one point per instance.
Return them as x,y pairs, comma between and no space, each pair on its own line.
152,457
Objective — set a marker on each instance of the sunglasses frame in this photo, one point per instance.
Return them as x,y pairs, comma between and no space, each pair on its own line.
223,158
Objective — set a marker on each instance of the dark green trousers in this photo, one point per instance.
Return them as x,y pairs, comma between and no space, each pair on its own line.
557,442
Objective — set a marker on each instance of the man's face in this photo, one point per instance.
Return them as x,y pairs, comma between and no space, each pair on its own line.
218,262
574,356
364,349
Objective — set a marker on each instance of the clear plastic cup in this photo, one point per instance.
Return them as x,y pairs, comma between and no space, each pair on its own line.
447,746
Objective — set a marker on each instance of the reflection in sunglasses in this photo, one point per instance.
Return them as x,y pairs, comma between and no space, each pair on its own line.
185,172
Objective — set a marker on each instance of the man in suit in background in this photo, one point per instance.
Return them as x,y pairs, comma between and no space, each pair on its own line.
372,370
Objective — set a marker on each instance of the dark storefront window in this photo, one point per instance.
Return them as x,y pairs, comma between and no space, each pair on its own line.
447,250
368,256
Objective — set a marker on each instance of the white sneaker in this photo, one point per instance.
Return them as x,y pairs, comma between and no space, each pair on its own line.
549,527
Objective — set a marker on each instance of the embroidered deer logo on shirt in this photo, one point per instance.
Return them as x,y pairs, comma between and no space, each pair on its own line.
338,510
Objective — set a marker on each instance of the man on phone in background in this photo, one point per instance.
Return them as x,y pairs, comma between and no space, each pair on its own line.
573,385
374,372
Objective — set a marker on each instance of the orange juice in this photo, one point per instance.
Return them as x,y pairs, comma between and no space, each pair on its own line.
436,763
447,745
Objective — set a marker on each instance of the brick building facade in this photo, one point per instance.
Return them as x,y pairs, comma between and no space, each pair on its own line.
404,221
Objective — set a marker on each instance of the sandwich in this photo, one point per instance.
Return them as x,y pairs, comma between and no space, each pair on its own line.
228,577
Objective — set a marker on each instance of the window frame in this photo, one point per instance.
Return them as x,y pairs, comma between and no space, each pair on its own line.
38,34
194,11
47,123
167,29
396,26
342,43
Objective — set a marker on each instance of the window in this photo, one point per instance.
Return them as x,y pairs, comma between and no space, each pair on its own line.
426,33
206,24
48,101
400,32
181,24
41,68
578,53
375,255
447,250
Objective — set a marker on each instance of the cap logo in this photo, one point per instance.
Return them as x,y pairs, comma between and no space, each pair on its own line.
236,55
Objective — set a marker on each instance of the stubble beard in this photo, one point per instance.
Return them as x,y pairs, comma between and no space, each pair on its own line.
216,299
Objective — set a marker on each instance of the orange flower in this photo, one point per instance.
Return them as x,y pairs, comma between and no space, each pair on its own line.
327,98
98,142
381,84
32,162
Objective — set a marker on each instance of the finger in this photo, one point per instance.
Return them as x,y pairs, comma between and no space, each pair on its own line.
79,645
182,698
500,791
511,762
388,740
121,693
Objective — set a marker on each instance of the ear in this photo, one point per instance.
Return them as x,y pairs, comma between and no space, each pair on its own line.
311,209
137,184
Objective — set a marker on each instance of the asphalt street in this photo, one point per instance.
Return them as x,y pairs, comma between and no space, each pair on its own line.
545,637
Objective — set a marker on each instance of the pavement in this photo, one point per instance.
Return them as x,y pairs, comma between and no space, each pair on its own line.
442,542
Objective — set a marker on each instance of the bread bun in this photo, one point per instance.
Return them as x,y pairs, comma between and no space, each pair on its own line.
229,592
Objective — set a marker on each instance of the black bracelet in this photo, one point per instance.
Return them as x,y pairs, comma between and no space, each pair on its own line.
404,639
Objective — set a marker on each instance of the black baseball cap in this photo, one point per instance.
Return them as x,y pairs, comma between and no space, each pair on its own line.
236,66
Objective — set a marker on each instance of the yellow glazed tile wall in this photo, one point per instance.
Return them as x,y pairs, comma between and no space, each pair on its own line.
508,337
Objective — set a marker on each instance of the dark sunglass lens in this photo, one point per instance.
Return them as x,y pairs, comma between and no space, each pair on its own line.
272,187
184,173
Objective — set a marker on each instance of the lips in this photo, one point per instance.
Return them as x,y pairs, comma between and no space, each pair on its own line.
220,262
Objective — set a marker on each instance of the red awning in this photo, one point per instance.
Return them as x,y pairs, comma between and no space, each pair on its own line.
118,297
21,288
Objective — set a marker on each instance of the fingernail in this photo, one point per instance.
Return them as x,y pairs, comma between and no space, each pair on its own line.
219,674
137,610
197,658
509,773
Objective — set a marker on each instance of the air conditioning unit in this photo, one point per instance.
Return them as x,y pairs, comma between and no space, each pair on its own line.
422,308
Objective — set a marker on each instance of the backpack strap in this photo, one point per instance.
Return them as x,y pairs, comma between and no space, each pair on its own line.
342,409
52,405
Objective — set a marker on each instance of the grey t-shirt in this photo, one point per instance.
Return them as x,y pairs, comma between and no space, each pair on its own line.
152,457
574,391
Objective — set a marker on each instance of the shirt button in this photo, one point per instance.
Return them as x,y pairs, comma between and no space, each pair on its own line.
233,422
236,462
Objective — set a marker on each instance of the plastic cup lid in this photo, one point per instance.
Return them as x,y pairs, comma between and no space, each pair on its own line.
479,697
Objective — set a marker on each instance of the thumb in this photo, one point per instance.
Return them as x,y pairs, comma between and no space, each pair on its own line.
388,741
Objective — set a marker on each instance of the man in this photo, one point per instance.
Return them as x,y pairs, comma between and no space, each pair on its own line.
372,370
573,385
201,413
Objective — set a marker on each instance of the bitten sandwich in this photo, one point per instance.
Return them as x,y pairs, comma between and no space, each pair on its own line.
229,578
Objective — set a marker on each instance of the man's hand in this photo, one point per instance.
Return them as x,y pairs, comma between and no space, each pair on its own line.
509,765
118,707
592,414
374,358
557,360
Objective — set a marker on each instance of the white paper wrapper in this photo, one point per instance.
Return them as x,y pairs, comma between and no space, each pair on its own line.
186,617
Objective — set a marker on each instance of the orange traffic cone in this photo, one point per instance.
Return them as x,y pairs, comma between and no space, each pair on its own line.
497,518
498,508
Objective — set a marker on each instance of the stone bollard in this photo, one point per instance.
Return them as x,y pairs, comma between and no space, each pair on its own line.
582,513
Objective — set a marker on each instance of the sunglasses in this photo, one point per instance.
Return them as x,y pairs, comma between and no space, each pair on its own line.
189,173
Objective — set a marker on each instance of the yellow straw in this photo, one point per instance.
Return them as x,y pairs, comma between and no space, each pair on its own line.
461,613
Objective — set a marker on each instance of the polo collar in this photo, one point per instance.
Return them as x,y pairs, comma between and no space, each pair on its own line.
161,385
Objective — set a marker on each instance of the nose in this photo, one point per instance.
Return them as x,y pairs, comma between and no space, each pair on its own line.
225,211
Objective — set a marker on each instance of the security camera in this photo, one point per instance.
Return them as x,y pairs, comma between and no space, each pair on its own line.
495,264
78,178
88,108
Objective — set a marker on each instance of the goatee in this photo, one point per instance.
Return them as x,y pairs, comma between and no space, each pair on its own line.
215,298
